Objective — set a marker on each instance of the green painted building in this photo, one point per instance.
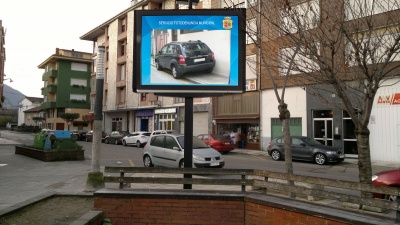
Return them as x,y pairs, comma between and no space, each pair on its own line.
66,88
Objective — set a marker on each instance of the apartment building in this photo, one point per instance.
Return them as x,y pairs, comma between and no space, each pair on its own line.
2,61
66,88
122,108
324,120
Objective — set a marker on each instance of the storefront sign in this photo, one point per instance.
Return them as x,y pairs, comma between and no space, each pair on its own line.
393,99
162,111
144,113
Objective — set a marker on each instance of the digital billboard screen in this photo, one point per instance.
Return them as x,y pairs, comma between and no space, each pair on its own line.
189,51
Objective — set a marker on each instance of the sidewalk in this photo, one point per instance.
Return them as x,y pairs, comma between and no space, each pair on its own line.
25,179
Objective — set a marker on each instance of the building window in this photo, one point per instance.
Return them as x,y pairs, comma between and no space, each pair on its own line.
116,124
305,15
121,95
105,98
251,31
60,111
121,71
107,53
355,9
106,75
77,97
179,100
121,48
143,97
79,67
303,60
78,82
251,67
123,25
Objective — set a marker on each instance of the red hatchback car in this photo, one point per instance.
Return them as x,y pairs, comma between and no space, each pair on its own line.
387,178
221,143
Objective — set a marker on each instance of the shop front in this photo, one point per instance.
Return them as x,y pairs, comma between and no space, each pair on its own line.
144,120
247,131
165,119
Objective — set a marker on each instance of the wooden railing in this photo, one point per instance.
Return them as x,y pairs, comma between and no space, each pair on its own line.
271,182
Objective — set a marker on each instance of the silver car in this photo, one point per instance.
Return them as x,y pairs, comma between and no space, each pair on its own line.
167,150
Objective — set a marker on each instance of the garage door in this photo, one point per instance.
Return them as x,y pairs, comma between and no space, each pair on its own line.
200,123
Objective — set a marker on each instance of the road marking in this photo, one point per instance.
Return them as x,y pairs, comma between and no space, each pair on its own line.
3,164
131,162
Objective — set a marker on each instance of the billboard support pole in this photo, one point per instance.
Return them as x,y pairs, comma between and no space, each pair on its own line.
188,154
188,145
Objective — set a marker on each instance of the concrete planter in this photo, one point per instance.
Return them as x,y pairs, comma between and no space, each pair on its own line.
50,155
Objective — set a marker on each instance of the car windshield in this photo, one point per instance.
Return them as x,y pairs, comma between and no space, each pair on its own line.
197,143
311,141
220,137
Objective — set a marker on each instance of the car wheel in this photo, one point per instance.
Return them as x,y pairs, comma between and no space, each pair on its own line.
182,164
320,159
116,141
276,155
147,161
175,72
124,143
158,67
138,144
106,141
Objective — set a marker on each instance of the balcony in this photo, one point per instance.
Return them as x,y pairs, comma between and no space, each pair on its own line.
48,74
51,88
48,105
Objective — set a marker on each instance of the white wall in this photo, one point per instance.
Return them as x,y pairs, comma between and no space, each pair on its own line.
295,98
384,125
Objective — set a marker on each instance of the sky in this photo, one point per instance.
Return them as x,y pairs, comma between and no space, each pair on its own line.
35,28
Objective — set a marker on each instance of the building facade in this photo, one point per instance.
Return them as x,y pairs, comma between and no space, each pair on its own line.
66,88
25,104
122,108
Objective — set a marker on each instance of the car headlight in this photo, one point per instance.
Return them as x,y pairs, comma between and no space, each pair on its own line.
198,157
374,177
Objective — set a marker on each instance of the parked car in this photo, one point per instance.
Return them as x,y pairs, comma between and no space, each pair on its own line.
184,57
307,149
139,139
80,134
387,178
162,132
168,150
218,142
89,136
115,137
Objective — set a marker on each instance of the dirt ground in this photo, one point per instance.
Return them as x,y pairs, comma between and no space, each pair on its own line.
57,210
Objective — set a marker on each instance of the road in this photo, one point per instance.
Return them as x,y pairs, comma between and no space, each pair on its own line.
118,155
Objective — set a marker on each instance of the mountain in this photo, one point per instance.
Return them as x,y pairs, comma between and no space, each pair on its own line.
11,97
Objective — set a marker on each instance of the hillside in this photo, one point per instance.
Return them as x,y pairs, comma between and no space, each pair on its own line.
12,97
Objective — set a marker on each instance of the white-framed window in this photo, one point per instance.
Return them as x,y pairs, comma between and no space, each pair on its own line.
355,9
303,60
78,82
251,67
77,97
251,31
373,50
122,71
305,15
79,67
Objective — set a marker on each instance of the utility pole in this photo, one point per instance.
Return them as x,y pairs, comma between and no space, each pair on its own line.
95,179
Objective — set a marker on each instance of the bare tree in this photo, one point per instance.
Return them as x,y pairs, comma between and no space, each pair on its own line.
346,47
257,38
69,117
